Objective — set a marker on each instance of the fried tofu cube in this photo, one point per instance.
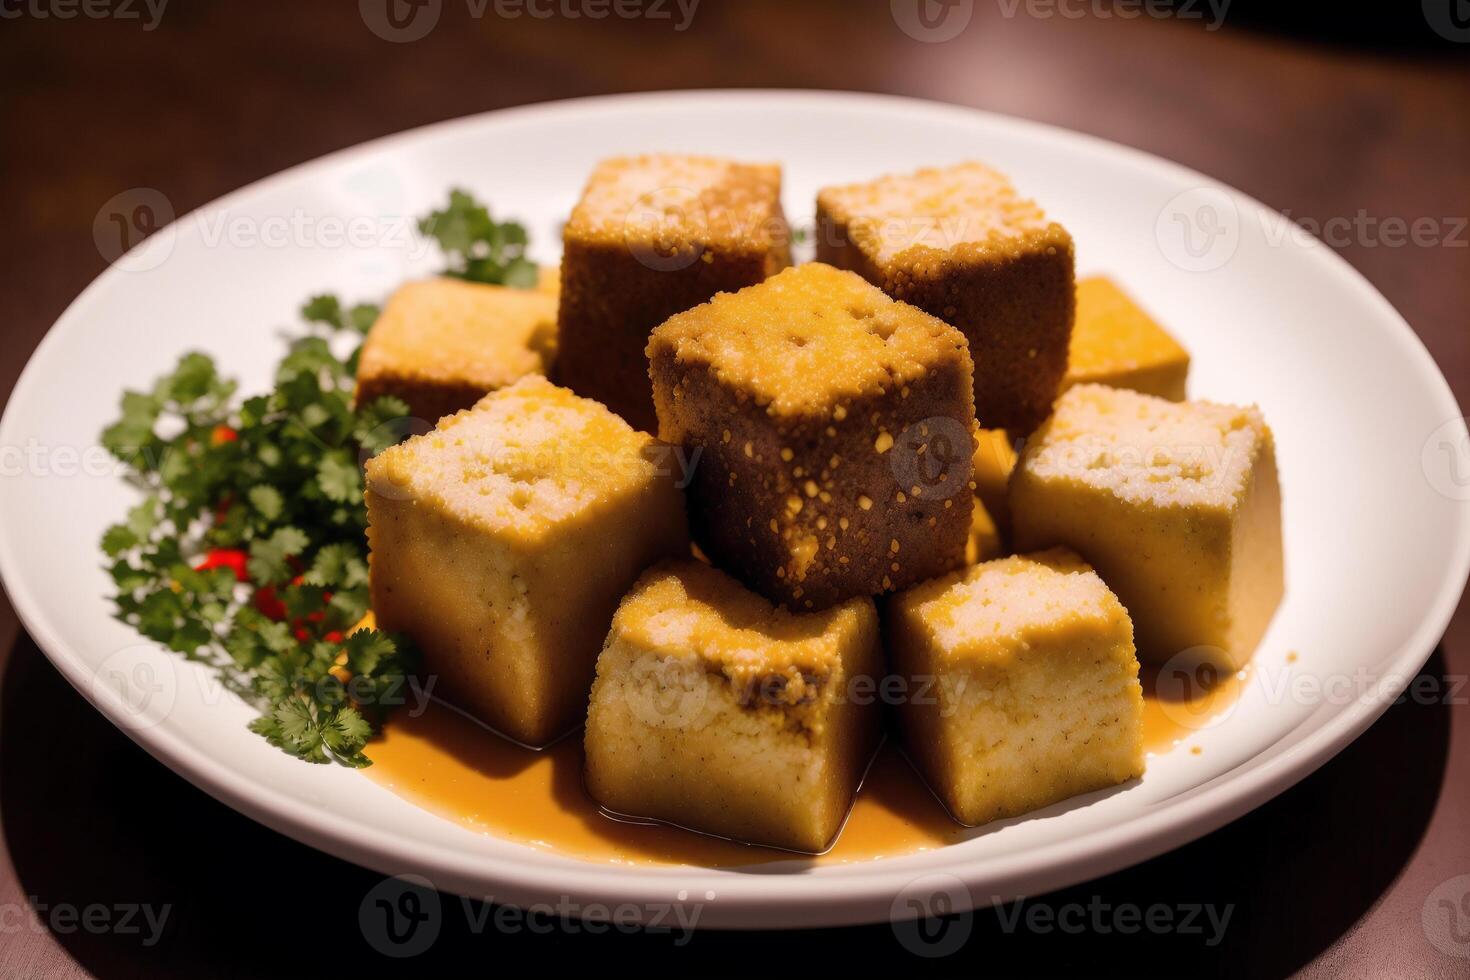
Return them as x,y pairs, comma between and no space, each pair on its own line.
1177,506
1021,685
959,242
441,345
653,236
503,540
990,527
834,432
986,541
718,712
1116,343
995,460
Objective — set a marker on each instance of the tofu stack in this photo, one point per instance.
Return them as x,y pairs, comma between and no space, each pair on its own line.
840,432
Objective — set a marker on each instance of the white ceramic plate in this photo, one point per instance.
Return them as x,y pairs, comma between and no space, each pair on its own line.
1377,527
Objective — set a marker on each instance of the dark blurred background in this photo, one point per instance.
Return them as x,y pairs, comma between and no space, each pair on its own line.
1327,111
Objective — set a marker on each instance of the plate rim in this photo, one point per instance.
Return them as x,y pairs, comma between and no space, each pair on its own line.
749,901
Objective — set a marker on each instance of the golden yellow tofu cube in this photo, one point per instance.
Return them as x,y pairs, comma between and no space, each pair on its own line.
549,280
441,345
1177,506
1116,343
716,711
1021,684
503,540
995,460
986,541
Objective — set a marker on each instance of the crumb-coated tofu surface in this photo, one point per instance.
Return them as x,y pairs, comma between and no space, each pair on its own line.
834,432
441,345
1030,684
1177,505
959,242
679,201
717,711
1116,343
652,236
503,540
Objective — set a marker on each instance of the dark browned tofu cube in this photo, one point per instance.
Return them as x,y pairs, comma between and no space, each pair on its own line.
960,243
651,237
833,431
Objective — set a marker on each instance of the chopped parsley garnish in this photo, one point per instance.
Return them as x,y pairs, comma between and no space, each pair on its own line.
479,248
248,551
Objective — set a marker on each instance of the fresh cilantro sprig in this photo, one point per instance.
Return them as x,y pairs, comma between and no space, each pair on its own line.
248,550
479,248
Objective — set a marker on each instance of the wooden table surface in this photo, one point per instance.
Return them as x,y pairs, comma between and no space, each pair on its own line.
1342,120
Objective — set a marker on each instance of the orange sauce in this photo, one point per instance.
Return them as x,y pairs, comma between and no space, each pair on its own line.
448,764
1179,704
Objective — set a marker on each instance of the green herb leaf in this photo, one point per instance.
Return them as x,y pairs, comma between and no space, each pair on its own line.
478,248
270,558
